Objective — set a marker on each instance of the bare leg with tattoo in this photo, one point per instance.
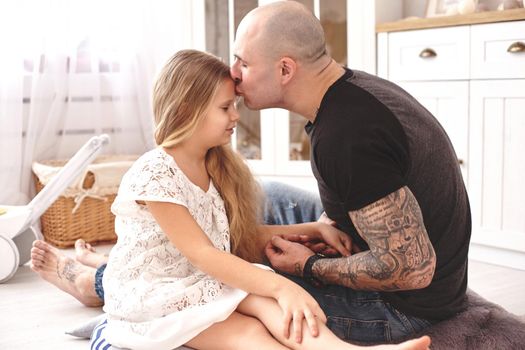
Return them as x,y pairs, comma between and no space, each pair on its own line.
64,272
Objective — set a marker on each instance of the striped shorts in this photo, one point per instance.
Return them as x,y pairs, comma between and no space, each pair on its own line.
98,340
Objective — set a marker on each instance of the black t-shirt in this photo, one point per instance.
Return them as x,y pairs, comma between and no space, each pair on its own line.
369,139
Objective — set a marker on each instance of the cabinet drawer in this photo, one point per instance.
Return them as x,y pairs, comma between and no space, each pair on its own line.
498,50
429,54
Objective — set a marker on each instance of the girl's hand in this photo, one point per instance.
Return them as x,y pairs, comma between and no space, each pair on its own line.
297,305
330,250
327,240
336,239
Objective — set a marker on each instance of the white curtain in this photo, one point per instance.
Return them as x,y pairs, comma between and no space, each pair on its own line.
71,69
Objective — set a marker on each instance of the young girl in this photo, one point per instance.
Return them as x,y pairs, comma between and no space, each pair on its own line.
181,210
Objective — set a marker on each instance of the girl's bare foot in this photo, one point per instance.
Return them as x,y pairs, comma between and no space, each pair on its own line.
87,255
67,274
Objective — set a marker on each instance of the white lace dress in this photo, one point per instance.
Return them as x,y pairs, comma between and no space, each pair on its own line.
154,297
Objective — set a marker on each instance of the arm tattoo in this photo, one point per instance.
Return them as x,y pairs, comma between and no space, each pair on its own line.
401,255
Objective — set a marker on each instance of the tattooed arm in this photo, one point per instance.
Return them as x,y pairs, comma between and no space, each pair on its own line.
401,256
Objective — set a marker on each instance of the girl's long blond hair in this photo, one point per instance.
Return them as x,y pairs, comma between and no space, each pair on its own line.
182,94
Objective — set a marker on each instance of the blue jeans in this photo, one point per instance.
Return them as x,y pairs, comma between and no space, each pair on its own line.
286,204
361,317
99,289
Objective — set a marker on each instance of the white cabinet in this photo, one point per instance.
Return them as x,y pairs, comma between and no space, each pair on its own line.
472,78
498,51
431,54
497,135
497,163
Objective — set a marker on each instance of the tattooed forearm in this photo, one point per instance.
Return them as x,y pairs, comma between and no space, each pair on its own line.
400,257
360,271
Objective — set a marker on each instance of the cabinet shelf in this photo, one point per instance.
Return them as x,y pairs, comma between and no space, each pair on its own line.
447,21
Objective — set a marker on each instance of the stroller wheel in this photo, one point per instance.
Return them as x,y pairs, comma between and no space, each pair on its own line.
10,258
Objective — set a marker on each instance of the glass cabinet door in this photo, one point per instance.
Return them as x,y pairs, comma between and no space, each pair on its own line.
253,137
273,140
248,133
292,136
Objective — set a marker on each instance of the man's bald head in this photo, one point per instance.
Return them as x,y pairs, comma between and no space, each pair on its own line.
287,28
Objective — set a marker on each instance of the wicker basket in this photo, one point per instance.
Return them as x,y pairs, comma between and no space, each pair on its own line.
66,220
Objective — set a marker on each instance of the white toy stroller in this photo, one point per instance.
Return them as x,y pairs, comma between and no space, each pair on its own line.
18,227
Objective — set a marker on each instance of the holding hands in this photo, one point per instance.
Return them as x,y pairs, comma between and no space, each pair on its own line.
288,253
328,250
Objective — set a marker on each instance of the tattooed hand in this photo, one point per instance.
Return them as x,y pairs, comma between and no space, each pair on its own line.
288,257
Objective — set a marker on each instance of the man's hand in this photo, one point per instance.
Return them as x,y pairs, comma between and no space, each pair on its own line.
338,242
286,256
316,245
328,241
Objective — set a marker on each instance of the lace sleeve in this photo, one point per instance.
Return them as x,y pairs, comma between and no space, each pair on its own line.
151,179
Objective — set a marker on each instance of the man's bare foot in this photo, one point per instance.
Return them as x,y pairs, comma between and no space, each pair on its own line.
67,274
87,255
421,343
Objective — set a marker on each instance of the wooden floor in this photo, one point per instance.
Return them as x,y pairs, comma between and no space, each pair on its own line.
501,285
35,314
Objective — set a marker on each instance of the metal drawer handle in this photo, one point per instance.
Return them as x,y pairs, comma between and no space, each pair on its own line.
427,53
517,46
461,161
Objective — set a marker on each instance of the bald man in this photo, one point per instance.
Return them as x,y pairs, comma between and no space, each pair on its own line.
387,175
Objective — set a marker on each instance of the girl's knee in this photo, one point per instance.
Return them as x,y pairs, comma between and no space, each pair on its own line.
236,332
253,329
246,332
253,305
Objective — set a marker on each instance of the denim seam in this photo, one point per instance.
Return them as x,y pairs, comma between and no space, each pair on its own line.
347,322
404,320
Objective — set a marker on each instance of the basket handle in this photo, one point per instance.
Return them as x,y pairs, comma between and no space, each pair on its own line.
69,172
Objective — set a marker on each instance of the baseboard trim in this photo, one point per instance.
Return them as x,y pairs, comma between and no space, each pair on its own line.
497,256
